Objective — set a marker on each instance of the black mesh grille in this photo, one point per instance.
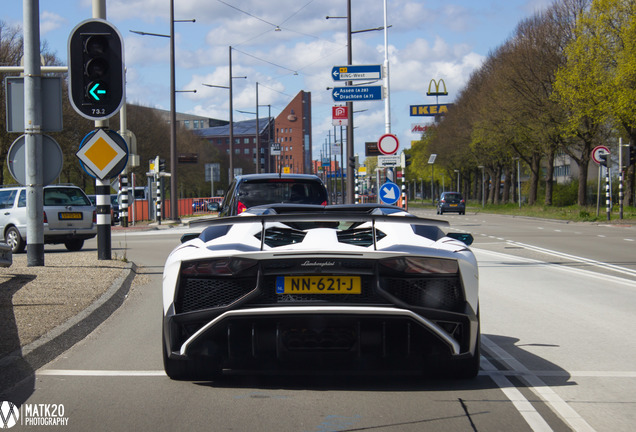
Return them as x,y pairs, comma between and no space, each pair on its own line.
359,237
437,293
198,293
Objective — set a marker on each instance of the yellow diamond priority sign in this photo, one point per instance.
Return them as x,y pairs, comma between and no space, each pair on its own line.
104,154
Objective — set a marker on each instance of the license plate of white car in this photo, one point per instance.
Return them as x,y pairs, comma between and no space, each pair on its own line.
70,215
318,285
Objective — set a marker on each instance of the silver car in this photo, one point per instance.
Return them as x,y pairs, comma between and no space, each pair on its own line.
69,216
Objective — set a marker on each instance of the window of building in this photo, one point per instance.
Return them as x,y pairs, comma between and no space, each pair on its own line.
246,151
186,123
246,140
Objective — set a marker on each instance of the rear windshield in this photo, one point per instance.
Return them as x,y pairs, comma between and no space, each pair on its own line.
453,197
65,196
276,191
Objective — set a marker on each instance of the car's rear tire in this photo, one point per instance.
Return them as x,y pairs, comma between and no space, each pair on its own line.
74,245
468,368
191,369
13,238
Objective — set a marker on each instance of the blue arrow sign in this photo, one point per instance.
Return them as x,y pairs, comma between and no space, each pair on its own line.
389,193
96,92
360,93
351,73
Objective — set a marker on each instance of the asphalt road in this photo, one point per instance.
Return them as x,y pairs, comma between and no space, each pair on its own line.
557,336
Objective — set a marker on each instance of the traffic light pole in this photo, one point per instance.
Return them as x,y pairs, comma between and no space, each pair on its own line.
102,187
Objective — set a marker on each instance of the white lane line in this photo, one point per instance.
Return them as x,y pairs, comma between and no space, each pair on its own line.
592,262
541,389
160,373
525,408
98,373
558,267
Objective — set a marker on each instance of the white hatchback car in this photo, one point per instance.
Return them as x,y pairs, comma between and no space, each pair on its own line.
69,216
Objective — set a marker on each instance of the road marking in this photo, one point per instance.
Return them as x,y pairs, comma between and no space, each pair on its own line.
525,408
97,373
589,273
592,262
537,386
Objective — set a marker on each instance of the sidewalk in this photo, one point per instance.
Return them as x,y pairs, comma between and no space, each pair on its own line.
44,310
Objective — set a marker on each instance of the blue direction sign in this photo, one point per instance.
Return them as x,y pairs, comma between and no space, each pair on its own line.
351,73
359,93
389,192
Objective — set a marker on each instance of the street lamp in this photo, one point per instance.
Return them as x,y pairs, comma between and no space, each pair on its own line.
231,138
174,204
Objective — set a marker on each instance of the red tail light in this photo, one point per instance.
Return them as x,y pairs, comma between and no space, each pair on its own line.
324,203
240,208
217,267
94,217
45,219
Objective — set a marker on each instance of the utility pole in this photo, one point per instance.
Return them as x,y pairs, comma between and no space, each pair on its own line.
33,134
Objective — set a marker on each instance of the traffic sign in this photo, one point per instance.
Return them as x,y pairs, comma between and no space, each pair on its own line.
361,72
359,93
51,155
389,192
388,144
340,116
388,161
103,154
597,152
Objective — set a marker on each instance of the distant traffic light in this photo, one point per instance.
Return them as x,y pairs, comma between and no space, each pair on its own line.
603,157
406,159
96,69
632,155
352,161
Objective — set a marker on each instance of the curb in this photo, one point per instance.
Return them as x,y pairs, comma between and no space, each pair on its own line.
21,364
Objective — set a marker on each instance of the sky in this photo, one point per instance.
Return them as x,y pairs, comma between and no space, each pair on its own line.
287,46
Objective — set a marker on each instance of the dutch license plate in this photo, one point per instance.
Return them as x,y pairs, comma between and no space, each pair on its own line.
318,285
70,215
453,205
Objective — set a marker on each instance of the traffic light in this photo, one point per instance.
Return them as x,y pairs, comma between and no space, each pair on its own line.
96,69
632,155
162,165
603,157
352,162
406,159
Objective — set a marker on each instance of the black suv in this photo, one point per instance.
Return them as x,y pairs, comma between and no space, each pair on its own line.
260,189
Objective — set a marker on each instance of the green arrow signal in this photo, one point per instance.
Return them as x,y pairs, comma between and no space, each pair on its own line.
95,92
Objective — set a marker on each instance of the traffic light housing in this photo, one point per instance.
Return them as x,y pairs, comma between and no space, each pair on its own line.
632,155
603,157
162,165
96,69
352,162
406,159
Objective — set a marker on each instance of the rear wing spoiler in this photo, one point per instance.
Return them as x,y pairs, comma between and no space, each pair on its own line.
330,216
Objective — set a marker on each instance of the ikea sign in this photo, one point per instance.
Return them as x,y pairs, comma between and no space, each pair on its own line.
429,110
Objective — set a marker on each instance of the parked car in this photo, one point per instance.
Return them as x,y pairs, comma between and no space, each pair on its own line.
114,207
451,202
69,216
259,189
356,287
